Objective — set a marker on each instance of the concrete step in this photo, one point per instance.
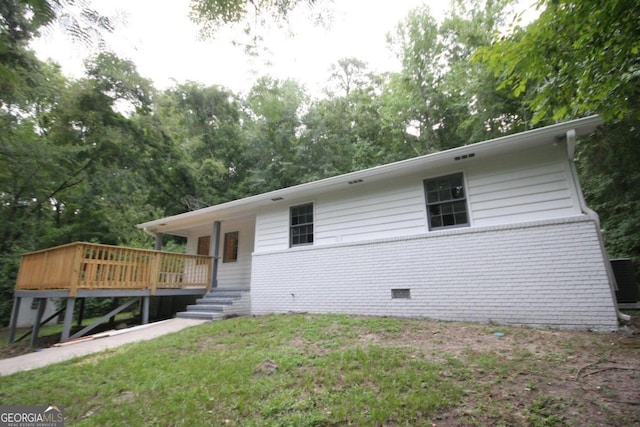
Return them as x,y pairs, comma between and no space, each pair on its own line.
218,301
199,315
213,304
232,289
205,307
223,294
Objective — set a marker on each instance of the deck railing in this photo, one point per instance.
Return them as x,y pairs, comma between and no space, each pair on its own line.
92,266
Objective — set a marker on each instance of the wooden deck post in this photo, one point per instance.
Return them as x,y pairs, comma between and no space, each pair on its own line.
156,261
75,271
14,319
68,317
42,303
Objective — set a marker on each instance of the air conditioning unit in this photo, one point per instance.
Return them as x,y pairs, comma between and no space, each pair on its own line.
626,278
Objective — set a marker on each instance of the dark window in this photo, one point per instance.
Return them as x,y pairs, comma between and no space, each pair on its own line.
446,202
204,243
301,231
230,252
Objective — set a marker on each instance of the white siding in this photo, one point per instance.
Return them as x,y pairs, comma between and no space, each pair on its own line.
272,228
548,273
27,315
528,186
371,211
237,273
360,212
230,273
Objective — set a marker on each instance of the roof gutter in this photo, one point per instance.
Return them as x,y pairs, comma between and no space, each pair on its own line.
613,285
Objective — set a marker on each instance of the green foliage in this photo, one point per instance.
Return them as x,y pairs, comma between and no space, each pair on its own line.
273,123
445,97
547,411
608,163
211,15
576,59
203,124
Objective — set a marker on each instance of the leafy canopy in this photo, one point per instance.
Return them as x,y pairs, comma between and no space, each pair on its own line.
577,58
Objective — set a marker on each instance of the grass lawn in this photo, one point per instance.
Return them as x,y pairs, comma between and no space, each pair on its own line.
334,370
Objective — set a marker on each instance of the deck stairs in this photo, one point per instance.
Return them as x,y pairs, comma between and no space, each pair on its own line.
219,303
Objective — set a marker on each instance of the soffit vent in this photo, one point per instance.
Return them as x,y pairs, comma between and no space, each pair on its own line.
465,156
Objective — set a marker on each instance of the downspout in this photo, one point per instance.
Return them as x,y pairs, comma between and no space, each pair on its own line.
613,285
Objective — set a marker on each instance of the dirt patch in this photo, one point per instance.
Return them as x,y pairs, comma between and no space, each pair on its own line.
533,376
267,367
540,377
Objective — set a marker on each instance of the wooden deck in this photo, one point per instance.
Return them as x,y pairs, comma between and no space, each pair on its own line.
81,270
88,266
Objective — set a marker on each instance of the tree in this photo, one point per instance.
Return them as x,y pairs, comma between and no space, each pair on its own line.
580,58
213,14
257,18
273,123
417,44
577,58
479,109
608,165
444,97
349,130
22,20
347,74
204,123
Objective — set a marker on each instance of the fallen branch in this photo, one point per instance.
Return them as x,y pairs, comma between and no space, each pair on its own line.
609,368
583,368
626,402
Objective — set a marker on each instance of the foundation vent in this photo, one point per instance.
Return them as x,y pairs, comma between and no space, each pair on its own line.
401,293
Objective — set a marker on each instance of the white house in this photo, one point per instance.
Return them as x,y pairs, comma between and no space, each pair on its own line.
496,231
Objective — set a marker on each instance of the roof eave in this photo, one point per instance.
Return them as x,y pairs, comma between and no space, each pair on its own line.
532,138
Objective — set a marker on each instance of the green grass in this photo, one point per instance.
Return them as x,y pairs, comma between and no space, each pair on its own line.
294,370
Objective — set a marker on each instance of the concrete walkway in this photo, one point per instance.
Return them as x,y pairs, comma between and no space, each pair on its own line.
52,355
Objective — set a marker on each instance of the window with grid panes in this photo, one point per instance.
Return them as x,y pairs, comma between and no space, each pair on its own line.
301,225
446,202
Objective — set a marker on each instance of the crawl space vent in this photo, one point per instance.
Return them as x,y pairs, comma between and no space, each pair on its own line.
400,293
